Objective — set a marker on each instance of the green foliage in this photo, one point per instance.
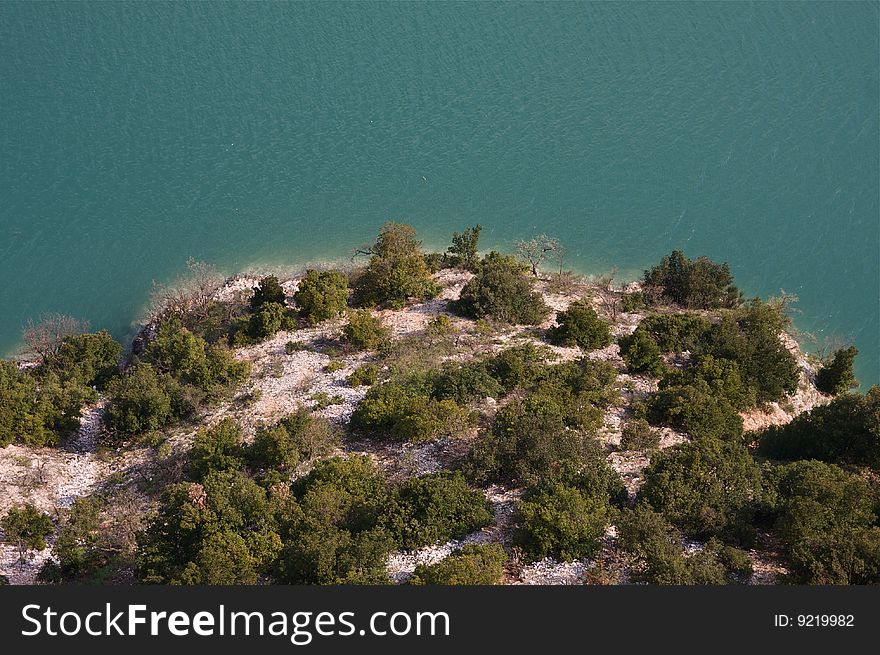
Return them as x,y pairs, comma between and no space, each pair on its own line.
692,283
27,411
266,321
750,337
466,383
81,547
296,438
558,521
216,449
675,332
190,360
836,377
322,295
705,488
26,527
434,508
463,251
89,359
267,291
722,378
330,526
519,366
826,519
638,435
474,564
632,302
500,291
144,400
406,408
659,551
333,365
397,270
529,441
365,331
579,325
695,409
364,376
845,431
293,346
641,354
222,531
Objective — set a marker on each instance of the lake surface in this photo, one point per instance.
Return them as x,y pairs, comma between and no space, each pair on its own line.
137,135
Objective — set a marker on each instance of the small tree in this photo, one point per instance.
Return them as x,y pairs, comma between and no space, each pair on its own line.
579,325
836,376
44,338
27,528
536,250
268,290
397,270
464,247
191,291
500,291
365,331
641,354
322,295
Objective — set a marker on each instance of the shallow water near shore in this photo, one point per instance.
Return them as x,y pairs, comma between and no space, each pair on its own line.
136,135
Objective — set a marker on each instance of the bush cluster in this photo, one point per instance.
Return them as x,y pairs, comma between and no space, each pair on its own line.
474,564
321,295
397,271
579,325
692,283
502,292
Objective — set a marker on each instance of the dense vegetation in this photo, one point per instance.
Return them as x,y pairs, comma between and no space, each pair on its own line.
270,504
501,291
691,283
396,272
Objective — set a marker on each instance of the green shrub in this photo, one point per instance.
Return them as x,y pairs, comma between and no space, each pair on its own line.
323,400
466,383
693,283
659,550
474,564
364,376
558,521
632,302
364,331
28,410
638,435
144,400
268,291
676,332
333,365
827,522
750,337
705,488
519,366
322,296
434,508
463,251
298,437
845,431
216,449
266,321
294,346
222,531
90,359
190,360
836,377
427,419
641,354
330,526
720,376
397,270
696,409
26,527
579,325
528,441
501,292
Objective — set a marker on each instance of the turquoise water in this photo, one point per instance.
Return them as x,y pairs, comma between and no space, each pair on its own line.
136,135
